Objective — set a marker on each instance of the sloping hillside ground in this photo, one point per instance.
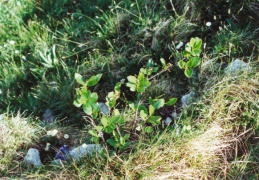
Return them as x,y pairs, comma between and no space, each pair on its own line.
44,44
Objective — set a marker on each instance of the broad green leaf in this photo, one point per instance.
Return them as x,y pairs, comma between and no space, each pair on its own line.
117,87
192,42
87,109
104,121
93,133
110,128
94,80
193,62
112,142
188,47
148,129
141,78
132,86
151,110
188,72
115,119
198,43
95,110
181,64
94,96
116,112
131,105
76,103
95,140
159,103
143,115
171,101
132,79
151,101
141,107
155,120
163,62
99,128
196,52
79,79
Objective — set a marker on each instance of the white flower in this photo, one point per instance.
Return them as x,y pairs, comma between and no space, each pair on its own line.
54,132
47,146
208,24
229,11
84,145
12,42
122,80
66,136
48,133
5,45
16,51
23,57
215,18
179,45
138,128
18,4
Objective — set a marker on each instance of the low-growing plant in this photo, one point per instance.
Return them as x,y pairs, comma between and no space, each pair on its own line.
144,116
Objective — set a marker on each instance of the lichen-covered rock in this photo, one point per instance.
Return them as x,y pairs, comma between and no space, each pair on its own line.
103,108
83,150
186,99
237,66
33,157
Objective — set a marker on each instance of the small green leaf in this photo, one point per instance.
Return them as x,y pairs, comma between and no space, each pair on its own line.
143,115
87,109
112,142
93,133
115,119
131,105
79,79
188,47
148,129
109,128
159,103
198,43
171,101
151,110
193,62
94,80
76,103
196,52
132,86
127,136
163,62
132,79
117,87
188,72
151,101
155,120
99,128
104,121
181,64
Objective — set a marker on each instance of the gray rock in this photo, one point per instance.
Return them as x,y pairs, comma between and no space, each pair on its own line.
103,108
174,115
237,66
33,157
186,99
83,150
48,117
168,121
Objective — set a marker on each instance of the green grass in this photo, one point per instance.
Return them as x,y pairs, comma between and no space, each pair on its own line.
53,40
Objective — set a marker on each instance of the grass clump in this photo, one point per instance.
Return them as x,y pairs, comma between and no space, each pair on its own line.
16,134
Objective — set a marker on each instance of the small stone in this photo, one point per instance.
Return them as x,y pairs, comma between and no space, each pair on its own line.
103,108
33,157
81,151
174,115
237,66
168,121
48,117
187,98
